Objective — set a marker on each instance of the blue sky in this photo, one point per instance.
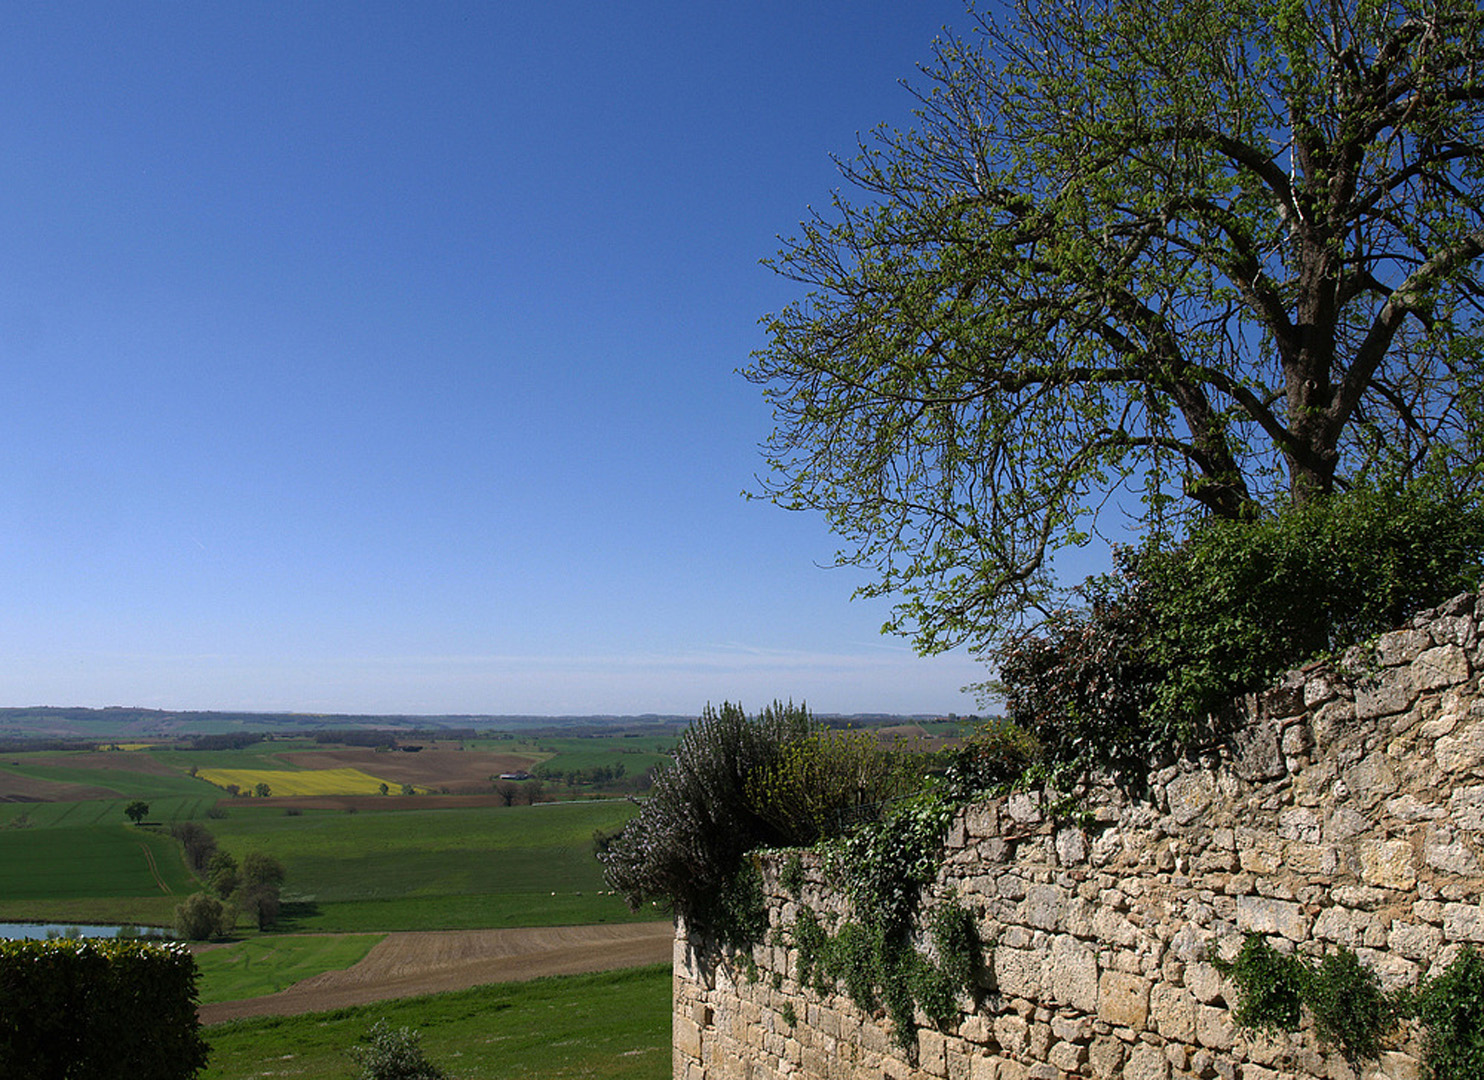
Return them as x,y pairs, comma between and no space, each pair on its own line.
381,357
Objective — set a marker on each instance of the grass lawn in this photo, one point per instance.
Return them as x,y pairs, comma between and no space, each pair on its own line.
613,1025
268,964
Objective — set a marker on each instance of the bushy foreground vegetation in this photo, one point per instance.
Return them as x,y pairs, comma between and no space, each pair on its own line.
1148,666
1352,1013
107,1010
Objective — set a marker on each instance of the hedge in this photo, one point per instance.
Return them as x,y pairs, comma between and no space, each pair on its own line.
98,1009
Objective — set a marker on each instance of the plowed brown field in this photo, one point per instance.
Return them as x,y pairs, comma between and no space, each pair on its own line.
430,962
15,788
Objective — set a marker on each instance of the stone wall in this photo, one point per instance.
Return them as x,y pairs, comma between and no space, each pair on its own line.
1349,811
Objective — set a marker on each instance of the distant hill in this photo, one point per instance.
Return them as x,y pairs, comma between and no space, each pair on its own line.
119,722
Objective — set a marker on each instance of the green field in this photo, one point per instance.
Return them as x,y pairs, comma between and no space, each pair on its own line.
435,869
266,965
615,1025
376,870
90,862
133,785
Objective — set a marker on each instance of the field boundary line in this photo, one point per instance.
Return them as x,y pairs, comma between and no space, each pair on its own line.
149,858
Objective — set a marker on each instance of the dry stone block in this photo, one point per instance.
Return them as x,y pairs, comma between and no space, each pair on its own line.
1214,1028
1463,922
687,1037
1389,693
1461,751
1263,915
1071,974
1258,753
1017,972
1042,906
1401,647
1071,846
1466,808
1146,1062
1123,999
1387,864
1371,779
1443,851
1447,665
1172,1008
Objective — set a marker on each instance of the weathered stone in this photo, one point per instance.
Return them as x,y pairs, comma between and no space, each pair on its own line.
1069,1057
1442,850
1466,808
1297,739
1447,665
1172,1011
1285,699
1214,1028
1024,808
1012,1033
1371,779
1463,922
1389,693
1189,796
1017,972
1415,941
1459,630
1146,1062
686,1034
1070,976
1261,915
1401,647
1398,1065
1105,1057
1387,864
1302,823
1071,846
1461,751
1123,999
1042,906
1258,755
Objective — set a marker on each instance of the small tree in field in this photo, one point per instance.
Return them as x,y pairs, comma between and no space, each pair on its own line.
202,916
137,811
260,882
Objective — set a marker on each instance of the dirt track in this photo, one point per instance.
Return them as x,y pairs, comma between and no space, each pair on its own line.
408,964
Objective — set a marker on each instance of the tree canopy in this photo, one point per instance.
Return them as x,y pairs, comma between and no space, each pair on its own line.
1191,257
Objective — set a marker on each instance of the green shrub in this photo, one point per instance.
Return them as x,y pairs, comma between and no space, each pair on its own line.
1451,1008
828,779
1159,649
688,841
393,1054
993,756
1240,602
1270,986
1351,1011
105,1010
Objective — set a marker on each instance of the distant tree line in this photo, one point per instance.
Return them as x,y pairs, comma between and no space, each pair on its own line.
229,740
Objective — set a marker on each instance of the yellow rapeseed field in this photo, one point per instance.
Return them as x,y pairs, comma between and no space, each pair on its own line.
295,782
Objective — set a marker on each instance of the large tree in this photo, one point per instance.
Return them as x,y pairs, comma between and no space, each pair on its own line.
1221,255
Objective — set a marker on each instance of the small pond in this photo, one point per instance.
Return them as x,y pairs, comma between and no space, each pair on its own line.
45,930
